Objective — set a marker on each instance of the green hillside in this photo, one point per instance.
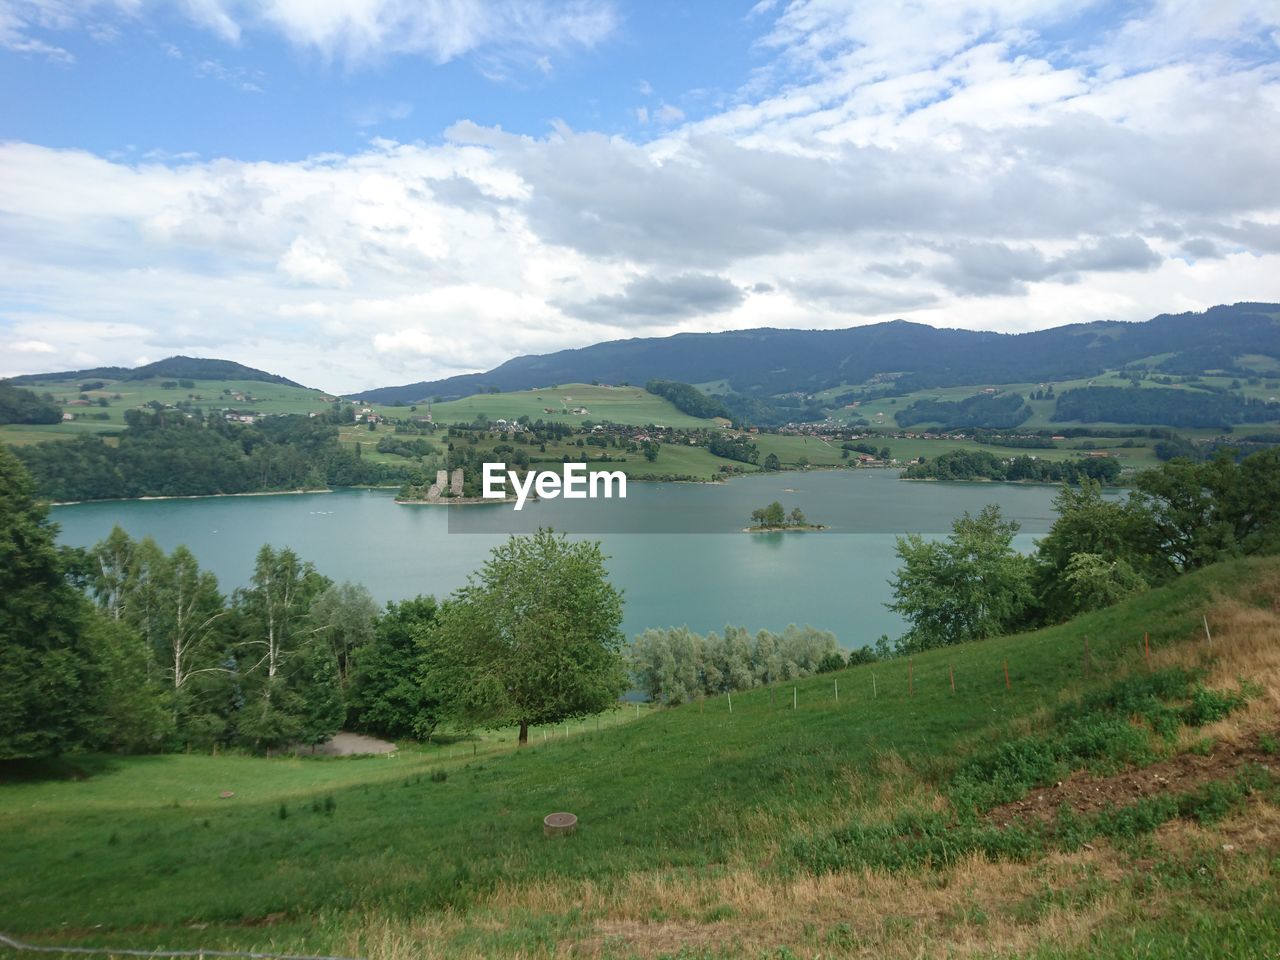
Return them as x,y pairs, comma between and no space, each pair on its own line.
91,416
627,405
857,824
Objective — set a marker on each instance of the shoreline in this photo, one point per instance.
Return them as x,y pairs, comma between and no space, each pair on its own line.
280,493
203,496
1012,483
460,502
806,528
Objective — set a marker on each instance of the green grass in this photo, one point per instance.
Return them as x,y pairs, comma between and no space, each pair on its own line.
626,405
881,412
144,853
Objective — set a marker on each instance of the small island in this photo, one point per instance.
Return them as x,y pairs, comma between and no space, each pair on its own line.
775,519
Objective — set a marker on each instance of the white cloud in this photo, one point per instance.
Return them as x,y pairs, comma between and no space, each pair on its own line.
32,346
354,32
939,161
669,113
307,262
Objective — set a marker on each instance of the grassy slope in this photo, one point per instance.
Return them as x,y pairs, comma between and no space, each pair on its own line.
629,405
689,819
881,412
271,398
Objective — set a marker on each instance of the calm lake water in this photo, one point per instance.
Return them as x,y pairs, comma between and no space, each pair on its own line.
834,579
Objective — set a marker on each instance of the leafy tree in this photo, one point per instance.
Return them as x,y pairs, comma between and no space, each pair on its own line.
179,614
771,516
344,616
1115,532
288,672
1095,582
46,672
667,664
772,463
675,665
390,693
132,707
533,637
796,517
970,586
831,662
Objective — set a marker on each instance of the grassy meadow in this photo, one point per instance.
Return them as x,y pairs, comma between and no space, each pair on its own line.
712,829
626,405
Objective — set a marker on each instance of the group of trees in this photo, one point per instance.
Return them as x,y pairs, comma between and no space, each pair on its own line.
1176,408
775,515
982,465
167,453
1178,517
999,411
27,406
675,665
125,647
688,399
738,448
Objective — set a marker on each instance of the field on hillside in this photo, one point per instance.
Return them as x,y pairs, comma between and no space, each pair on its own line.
626,405
880,413
751,829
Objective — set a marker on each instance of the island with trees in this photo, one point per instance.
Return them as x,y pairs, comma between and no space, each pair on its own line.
775,519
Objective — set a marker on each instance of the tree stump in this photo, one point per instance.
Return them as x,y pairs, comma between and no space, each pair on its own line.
559,824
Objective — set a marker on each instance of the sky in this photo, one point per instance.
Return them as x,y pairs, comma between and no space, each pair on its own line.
359,193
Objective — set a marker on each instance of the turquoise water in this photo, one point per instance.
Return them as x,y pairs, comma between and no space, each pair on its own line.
834,579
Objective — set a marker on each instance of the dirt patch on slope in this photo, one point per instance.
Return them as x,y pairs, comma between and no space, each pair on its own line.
1086,794
348,745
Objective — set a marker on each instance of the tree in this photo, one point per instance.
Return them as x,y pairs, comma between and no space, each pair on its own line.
288,671
1089,524
343,615
796,517
1203,512
970,586
46,672
1095,582
771,516
131,705
389,693
772,463
533,638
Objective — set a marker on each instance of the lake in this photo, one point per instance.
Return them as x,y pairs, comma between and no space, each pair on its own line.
715,574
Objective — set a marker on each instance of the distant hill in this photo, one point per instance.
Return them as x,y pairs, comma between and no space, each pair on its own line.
1242,338
192,368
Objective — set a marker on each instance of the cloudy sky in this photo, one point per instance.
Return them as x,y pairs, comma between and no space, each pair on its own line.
356,193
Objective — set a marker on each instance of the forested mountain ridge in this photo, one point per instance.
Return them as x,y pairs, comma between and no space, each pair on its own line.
194,368
771,361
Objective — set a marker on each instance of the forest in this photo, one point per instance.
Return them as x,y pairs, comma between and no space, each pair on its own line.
123,647
981,465
688,399
1175,408
999,411
167,453
25,406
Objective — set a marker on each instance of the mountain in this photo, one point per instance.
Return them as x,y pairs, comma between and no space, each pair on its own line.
171,368
769,362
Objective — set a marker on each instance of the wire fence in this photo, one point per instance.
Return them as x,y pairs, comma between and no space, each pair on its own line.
13,944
